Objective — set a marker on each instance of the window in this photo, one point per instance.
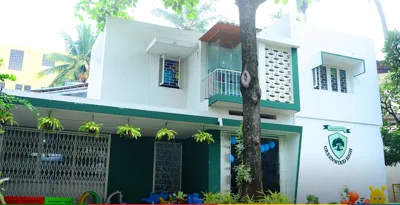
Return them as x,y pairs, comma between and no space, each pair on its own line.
18,87
47,63
170,72
335,81
27,87
16,59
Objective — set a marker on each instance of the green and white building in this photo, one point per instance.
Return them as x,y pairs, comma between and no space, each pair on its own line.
319,105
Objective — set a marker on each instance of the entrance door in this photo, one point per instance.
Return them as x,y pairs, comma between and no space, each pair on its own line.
270,167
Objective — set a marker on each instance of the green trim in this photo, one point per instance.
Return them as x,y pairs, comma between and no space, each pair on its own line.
342,56
298,165
295,106
55,104
214,162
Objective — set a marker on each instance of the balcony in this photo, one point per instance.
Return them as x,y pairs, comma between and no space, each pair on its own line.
278,73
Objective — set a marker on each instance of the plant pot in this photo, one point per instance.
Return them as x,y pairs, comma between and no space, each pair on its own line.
48,127
92,131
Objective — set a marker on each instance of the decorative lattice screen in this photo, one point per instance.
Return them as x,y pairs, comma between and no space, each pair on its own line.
64,164
168,167
278,75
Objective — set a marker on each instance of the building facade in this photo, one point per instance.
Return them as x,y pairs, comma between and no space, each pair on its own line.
320,111
25,63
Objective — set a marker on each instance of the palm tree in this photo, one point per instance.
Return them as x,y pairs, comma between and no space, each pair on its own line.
75,64
199,23
301,6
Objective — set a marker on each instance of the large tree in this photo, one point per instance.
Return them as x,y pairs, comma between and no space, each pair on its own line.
75,64
390,99
98,10
205,16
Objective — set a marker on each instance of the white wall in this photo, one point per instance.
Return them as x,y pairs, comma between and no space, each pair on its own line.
96,68
321,177
131,74
362,105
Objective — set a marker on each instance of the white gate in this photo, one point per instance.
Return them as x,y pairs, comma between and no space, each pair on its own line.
63,164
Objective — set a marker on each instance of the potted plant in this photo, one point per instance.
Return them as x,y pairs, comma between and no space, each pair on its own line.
91,127
49,123
7,117
129,131
201,136
166,132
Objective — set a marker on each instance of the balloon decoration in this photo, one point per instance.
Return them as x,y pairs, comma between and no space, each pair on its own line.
266,147
271,144
233,140
231,158
262,149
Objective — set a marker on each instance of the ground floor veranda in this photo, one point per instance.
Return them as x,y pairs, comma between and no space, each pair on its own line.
69,163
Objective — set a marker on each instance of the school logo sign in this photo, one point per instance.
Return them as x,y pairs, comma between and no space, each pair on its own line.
337,144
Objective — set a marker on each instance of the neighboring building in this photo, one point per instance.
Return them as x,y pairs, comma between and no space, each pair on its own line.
70,89
25,63
320,115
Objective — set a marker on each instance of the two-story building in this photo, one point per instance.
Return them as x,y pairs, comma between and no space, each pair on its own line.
320,115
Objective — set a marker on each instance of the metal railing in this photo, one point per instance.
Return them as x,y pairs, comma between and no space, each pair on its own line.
222,82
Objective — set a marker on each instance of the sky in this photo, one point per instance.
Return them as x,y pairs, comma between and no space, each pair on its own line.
37,23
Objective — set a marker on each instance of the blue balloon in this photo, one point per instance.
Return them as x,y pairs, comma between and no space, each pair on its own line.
266,147
233,140
262,148
231,158
272,144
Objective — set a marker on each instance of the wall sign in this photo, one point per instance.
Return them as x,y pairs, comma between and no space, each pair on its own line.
337,145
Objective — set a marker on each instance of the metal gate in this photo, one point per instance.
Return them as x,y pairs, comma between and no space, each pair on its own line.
61,164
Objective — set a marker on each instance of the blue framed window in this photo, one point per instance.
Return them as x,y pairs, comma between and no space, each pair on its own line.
170,70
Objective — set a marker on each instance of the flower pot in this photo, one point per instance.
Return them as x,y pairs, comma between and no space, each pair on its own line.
48,127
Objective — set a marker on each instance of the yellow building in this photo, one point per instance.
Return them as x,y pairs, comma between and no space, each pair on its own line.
25,63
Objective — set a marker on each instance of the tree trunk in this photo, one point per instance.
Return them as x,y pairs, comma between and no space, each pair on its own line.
251,93
382,17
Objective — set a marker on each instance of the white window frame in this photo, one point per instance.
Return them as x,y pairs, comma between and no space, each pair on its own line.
162,63
329,79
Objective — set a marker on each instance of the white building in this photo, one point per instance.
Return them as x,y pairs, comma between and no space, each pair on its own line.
320,107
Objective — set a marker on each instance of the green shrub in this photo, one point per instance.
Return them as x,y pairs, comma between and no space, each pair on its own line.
311,199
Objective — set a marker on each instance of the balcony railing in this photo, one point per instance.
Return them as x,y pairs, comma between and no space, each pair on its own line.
222,82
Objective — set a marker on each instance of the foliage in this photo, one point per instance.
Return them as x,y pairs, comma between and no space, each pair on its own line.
345,192
301,6
129,131
199,23
390,99
279,14
332,202
312,199
99,10
274,198
75,64
8,102
1,194
243,172
91,127
49,123
219,198
7,117
260,198
201,136
166,132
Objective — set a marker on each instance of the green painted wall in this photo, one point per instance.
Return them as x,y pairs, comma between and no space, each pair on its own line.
131,167
214,162
194,167
201,164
